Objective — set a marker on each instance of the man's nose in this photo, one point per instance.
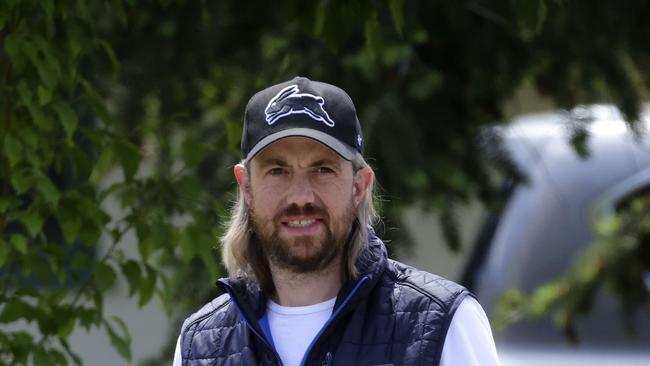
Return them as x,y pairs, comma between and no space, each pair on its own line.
301,191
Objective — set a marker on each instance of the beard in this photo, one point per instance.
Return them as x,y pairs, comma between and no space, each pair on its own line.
301,254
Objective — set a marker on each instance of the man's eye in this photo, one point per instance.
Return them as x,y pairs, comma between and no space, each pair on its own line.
324,170
276,171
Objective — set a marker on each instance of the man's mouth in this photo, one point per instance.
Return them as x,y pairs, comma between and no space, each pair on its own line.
302,226
300,223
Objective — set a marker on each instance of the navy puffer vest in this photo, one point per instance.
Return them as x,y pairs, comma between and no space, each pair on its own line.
393,314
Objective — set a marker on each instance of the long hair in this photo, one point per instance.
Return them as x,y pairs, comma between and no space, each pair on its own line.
243,256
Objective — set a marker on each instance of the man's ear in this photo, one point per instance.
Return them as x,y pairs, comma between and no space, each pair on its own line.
362,181
244,182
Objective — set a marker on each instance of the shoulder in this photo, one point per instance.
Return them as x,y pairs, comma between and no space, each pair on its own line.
212,314
414,284
206,327
470,315
469,339
422,303
215,331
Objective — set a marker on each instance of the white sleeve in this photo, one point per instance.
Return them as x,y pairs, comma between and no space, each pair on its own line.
469,340
177,354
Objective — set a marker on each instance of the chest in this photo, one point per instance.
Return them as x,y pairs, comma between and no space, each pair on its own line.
377,331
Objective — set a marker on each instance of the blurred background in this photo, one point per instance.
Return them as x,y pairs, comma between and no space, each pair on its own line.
509,139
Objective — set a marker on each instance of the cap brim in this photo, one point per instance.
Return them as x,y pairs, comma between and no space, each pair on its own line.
340,148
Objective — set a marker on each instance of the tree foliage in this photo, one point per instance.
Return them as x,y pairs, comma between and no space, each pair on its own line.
60,250
154,92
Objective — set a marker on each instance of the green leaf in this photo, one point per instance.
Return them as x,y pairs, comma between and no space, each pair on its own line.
103,165
46,63
29,136
121,342
13,149
131,270
44,95
39,119
70,227
24,93
93,211
145,245
19,243
128,196
45,186
32,220
129,157
40,358
57,357
23,339
21,180
104,276
88,317
68,118
80,260
187,244
147,286
12,44
89,234
544,297
14,310
8,203
397,12
66,329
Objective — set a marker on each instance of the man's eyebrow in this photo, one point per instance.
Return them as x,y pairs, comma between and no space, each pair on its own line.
325,162
273,161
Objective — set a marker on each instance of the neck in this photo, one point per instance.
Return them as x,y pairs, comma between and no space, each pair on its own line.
302,289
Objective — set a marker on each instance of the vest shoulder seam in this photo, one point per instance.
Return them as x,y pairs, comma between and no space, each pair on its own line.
209,313
417,288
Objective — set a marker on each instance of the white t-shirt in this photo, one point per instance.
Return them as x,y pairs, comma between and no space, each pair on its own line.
469,339
294,327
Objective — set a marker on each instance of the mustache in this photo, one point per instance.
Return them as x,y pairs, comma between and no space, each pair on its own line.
295,210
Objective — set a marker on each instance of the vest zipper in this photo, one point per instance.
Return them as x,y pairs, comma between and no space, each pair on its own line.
328,359
334,315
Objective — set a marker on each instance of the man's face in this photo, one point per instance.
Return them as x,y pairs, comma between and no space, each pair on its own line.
302,200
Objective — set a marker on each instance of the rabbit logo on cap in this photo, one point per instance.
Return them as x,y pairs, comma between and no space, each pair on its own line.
288,101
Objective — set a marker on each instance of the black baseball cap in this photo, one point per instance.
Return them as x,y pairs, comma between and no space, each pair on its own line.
302,107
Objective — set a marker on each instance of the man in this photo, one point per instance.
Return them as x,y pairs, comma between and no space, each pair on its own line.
309,281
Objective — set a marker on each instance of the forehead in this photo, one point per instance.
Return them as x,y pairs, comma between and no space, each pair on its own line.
298,150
